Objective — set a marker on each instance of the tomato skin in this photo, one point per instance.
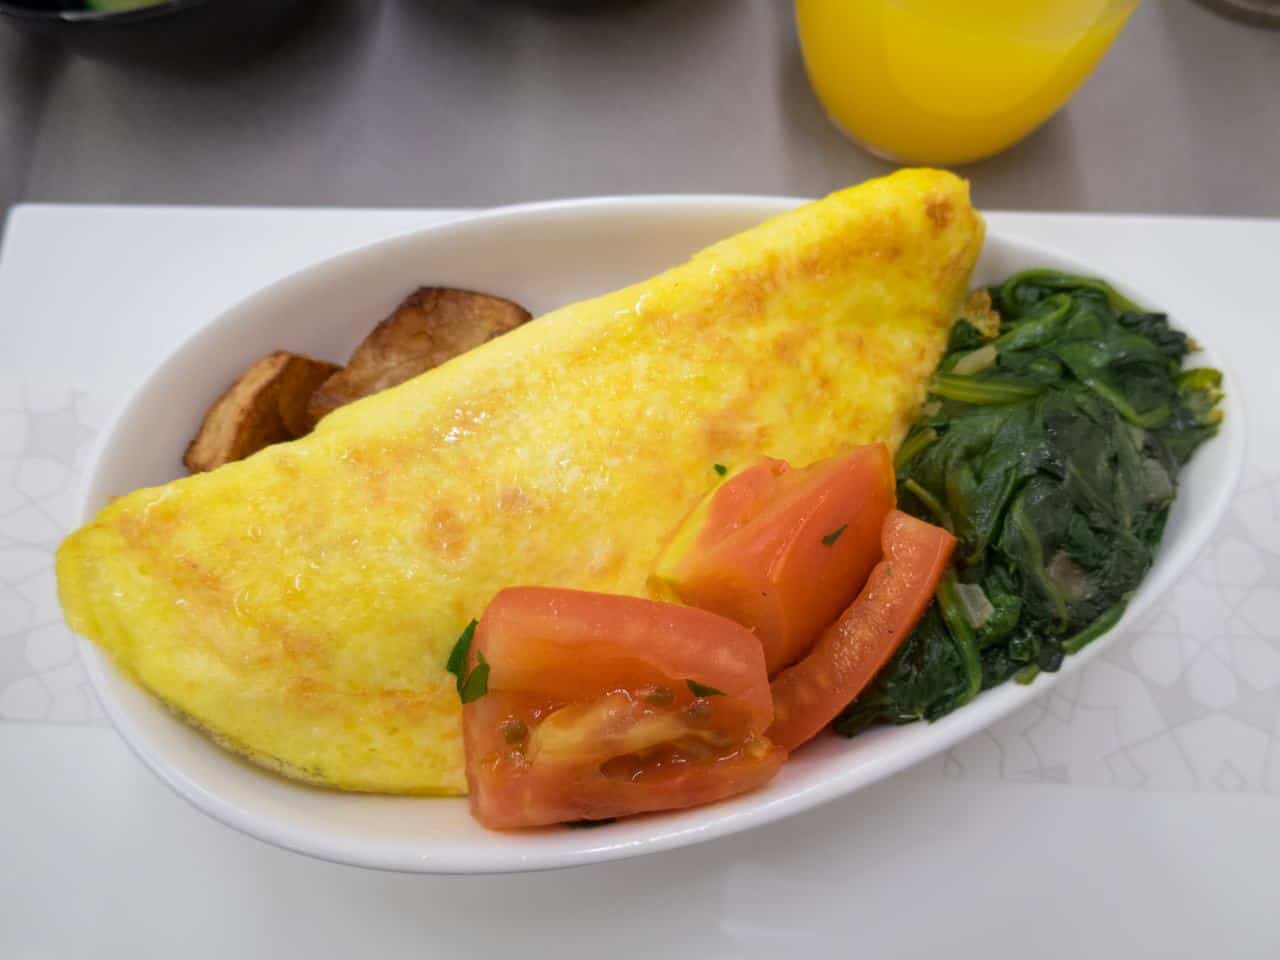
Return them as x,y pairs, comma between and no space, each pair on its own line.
576,644
812,693
589,713
784,550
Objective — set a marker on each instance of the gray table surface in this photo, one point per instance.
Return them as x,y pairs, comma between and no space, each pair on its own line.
480,102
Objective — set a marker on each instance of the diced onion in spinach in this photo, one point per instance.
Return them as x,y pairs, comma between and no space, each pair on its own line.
978,610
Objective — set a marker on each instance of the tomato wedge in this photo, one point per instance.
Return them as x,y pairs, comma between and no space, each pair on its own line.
602,706
783,550
809,695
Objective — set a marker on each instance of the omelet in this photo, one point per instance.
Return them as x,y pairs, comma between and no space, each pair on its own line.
299,605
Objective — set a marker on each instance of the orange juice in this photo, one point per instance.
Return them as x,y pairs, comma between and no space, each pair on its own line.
947,81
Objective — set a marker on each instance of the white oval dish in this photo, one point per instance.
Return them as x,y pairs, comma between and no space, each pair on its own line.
542,255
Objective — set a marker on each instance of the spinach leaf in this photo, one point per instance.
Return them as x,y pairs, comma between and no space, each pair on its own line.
1054,460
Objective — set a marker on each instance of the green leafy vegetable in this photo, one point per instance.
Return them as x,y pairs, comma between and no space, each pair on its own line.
702,690
1052,452
833,536
918,441
720,468
962,635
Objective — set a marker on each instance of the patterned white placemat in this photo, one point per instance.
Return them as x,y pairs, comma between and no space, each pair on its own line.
45,437
1188,701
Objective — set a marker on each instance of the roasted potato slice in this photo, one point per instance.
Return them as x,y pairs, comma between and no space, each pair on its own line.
266,404
434,324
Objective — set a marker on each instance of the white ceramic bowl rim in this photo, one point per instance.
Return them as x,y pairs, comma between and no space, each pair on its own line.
804,784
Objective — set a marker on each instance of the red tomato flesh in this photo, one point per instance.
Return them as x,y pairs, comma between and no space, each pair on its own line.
590,715
810,694
781,550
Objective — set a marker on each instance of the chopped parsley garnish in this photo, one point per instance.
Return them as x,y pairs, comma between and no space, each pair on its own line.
457,662
702,690
477,683
721,469
833,536
474,685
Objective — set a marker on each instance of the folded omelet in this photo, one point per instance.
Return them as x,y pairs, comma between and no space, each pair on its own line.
299,605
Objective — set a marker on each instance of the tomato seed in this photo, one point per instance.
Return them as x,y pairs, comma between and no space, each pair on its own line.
700,709
513,730
659,696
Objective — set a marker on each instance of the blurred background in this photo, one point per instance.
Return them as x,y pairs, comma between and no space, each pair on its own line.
481,102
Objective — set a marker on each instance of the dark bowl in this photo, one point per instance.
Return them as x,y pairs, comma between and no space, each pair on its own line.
176,31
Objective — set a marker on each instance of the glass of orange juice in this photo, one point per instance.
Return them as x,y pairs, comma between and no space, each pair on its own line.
949,81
